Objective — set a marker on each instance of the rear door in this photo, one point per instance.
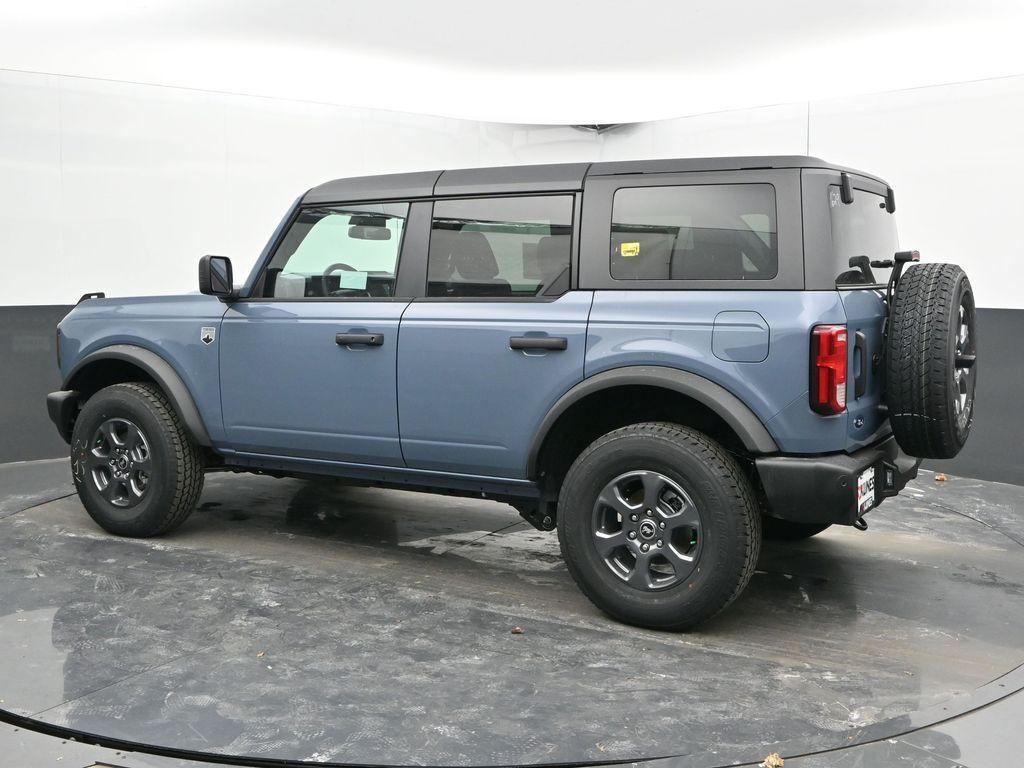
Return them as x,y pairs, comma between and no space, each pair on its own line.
862,228
497,339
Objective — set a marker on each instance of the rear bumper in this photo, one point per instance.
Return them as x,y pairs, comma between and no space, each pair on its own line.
62,407
823,489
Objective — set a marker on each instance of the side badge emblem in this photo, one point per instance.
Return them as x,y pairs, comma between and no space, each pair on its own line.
208,334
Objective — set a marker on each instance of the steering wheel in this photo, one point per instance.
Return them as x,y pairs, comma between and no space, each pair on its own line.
333,268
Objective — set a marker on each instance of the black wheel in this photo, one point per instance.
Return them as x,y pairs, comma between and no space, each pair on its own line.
135,467
658,526
931,361
786,530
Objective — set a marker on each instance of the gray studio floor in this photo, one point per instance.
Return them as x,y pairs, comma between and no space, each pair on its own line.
309,620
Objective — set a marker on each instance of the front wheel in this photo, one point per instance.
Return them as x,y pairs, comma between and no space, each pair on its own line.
658,526
135,467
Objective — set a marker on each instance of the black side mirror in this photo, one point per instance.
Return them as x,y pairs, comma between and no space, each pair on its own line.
215,277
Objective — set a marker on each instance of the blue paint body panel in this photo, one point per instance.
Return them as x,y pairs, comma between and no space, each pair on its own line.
169,326
469,403
676,329
444,392
290,390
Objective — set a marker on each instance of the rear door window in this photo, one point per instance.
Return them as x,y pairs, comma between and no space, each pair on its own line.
695,232
512,247
861,228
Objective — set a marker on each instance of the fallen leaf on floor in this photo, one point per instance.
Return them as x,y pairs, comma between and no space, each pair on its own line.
773,761
518,630
940,478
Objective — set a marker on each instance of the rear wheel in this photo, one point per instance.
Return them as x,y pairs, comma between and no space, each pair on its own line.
776,529
134,465
658,526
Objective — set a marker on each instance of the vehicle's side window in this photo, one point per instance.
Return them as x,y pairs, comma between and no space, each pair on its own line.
339,251
500,247
697,232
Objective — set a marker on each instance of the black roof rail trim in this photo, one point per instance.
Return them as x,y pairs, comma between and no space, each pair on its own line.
512,179
555,177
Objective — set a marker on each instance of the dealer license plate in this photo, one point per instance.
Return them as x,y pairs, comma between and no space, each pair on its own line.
866,490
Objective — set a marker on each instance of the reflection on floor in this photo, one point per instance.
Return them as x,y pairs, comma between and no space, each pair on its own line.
316,621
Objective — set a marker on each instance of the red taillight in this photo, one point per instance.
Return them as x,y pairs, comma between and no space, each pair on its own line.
828,369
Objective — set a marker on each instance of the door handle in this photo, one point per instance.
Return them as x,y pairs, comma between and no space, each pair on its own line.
538,342
368,339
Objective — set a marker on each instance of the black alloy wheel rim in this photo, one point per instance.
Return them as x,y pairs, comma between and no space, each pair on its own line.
119,462
647,530
965,358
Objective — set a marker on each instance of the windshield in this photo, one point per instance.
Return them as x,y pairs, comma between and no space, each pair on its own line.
861,228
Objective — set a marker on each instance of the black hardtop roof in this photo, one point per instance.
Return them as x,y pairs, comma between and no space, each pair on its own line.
560,177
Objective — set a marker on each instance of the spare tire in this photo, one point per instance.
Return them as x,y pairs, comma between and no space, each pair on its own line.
931,368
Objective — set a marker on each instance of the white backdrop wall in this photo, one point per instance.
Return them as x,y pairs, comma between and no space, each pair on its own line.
121,187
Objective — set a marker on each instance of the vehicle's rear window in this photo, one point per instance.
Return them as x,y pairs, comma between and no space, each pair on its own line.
695,232
861,228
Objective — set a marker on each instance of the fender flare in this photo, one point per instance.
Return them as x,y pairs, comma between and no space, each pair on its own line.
731,409
162,373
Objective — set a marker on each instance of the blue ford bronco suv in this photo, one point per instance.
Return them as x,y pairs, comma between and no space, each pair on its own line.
664,360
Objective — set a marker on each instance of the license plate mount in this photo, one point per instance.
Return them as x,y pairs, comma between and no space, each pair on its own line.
865,490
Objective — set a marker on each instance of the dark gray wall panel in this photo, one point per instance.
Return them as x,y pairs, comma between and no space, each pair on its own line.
995,450
28,370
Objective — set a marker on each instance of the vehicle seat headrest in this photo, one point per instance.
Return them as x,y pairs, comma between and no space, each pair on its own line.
473,258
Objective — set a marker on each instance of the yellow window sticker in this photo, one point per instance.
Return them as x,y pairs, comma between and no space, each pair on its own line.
630,249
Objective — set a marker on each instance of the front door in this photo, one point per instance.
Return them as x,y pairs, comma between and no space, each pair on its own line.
498,338
308,364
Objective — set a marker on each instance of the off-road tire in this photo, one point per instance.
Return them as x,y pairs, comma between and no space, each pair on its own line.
922,377
776,529
176,479
722,494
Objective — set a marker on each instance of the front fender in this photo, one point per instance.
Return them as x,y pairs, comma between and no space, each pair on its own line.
161,372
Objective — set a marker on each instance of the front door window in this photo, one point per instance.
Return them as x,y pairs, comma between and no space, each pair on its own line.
339,252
